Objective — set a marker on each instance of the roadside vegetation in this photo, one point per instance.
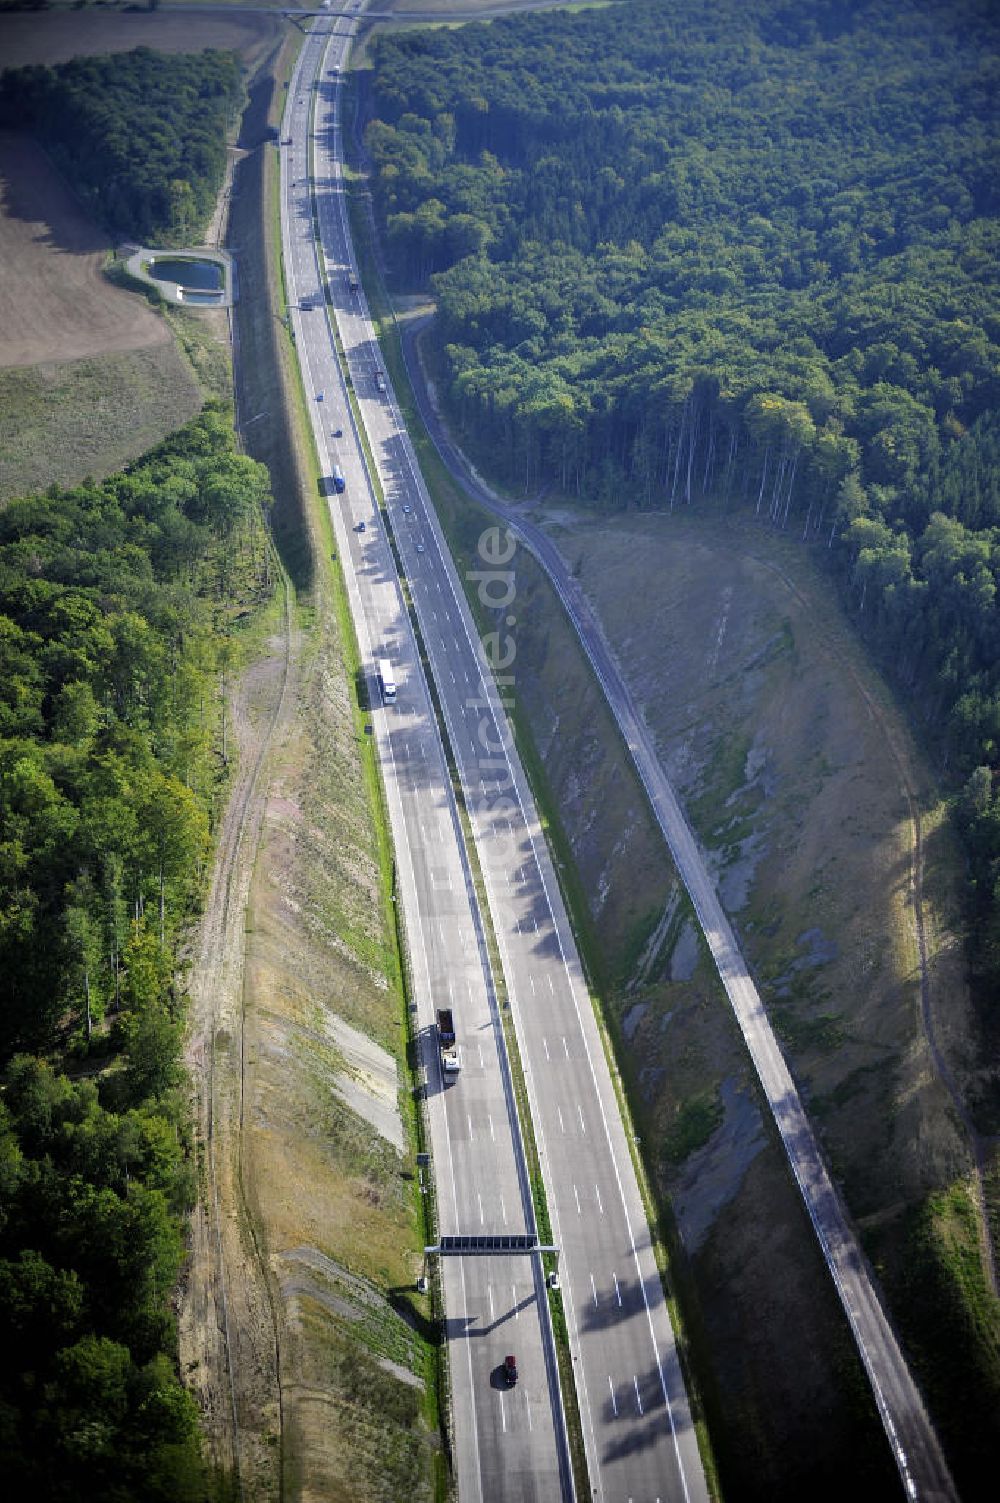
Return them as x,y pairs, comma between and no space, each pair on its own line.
141,135
122,606
743,257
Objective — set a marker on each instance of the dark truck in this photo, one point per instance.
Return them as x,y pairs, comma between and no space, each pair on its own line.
446,1040
334,482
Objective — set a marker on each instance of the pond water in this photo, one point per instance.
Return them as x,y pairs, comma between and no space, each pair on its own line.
202,297
204,274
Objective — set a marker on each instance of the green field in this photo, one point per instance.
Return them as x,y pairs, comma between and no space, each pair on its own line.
60,423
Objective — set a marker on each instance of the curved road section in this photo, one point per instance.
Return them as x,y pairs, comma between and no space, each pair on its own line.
915,1446
638,1432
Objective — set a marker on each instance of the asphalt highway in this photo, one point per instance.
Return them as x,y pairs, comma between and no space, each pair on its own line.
512,1439
638,1432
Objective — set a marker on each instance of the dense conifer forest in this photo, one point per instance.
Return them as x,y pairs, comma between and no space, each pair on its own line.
140,135
740,255
117,607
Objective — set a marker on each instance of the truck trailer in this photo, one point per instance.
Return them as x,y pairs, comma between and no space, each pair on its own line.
386,679
446,1041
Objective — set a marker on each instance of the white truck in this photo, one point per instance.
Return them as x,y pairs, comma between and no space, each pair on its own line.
386,678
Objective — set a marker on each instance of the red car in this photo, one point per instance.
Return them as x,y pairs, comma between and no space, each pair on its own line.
510,1371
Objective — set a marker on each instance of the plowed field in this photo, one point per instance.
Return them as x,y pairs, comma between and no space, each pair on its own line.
55,303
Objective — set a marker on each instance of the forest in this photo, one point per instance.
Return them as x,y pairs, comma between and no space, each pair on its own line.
120,604
140,135
738,256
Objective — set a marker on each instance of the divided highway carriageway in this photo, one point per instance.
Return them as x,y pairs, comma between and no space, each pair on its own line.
510,1441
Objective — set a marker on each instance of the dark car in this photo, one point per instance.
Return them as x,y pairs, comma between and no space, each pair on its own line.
510,1371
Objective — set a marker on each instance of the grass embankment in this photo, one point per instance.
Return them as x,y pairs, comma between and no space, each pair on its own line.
928,1259
337,1205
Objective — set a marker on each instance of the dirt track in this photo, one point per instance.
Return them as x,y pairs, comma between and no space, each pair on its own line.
227,1334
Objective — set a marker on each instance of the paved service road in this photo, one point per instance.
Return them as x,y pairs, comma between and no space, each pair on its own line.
512,1439
637,1426
916,1450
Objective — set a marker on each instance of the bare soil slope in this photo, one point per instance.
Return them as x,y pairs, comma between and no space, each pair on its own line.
326,1181
802,782
299,1323
786,1400
796,770
301,1332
